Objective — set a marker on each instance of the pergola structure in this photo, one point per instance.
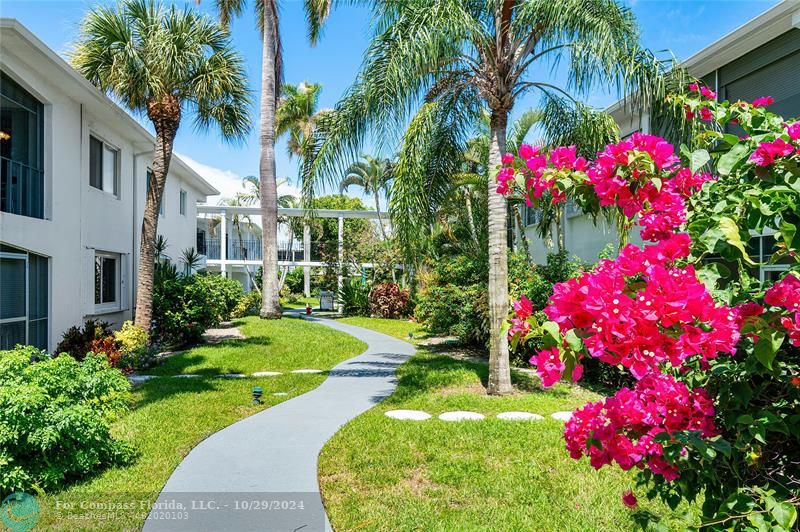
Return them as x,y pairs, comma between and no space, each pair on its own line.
224,262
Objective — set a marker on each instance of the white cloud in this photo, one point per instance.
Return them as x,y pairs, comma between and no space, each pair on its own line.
229,183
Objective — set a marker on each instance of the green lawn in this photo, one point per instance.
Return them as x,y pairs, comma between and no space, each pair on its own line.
280,345
313,301
397,328
383,474
171,415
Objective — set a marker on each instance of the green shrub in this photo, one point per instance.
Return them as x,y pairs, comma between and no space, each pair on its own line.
249,305
55,418
452,310
388,300
76,341
294,280
131,338
354,298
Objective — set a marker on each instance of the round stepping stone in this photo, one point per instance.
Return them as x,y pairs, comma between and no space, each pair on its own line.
460,415
266,373
231,376
280,394
413,415
561,416
187,376
307,371
138,379
519,416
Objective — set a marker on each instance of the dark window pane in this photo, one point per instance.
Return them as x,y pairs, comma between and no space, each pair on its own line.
96,163
98,280
109,280
11,334
12,288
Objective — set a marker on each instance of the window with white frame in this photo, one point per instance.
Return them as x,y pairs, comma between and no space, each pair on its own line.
103,166
106,281
183,202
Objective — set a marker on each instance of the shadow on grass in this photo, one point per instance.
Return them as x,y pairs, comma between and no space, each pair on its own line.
205,354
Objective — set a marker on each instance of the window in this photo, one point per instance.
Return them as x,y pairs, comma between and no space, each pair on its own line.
106,281
150,178
21,151
103,166
24,298
183,202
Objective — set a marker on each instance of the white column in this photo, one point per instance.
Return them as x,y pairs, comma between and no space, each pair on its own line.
307,258
223,243
340,236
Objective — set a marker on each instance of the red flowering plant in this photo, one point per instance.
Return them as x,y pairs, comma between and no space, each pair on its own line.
714,411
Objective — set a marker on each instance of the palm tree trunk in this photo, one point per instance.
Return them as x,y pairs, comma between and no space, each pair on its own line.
499,368
471,220
378,210
166,119
270,304
560,239
526,246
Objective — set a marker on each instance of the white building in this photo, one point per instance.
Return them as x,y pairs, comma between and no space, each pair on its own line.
74,172
760,58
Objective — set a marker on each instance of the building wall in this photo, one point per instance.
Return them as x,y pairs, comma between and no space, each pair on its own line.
80,219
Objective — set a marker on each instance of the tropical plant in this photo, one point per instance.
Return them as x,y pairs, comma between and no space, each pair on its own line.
191,258
460,58
373,175
164,62
389,300
76,341
353,298
268,22
55,419
713,350
296,116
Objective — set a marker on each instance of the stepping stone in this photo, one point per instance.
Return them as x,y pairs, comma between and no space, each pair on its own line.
280,394
266,373
561,416
187,376
306,371
414,415
231,376
460,415
519,416
139,379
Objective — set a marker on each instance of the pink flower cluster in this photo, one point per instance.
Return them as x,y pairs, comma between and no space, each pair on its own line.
786,293
549,366
767,152
623,428
673,315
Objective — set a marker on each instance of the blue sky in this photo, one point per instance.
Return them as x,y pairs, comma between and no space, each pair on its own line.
682,26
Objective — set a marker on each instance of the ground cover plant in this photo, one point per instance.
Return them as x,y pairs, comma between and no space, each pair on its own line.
715,353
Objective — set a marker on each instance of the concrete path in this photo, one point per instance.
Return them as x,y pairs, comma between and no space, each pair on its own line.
261,472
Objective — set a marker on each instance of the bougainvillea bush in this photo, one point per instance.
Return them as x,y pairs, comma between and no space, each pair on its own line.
713,415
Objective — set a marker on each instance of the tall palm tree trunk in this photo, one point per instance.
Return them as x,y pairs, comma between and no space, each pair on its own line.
166,117
499,368
526,246
473,232
270,305
378,211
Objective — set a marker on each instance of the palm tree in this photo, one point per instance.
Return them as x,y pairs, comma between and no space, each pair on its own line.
297,115
271,75
459,57
163,62
373,175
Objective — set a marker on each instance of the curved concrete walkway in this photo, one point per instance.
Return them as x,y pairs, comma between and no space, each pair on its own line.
261,472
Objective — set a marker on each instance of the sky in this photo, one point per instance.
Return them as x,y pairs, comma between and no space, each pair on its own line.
680,26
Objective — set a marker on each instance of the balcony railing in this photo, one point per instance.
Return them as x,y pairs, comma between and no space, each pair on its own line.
249,249
21,189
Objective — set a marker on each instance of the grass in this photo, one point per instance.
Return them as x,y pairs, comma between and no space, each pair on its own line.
397,328
280,345
383,474
172,415
313,301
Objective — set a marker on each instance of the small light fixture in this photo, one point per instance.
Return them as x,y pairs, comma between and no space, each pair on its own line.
257,393
410,334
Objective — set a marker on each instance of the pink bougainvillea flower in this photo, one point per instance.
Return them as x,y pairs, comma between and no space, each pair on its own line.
763,101
749,309
766,152
705,114
526,151
577,373
793,130
785,293
508,158
629,499
693,87
523,308
708,93
792,327
689,112
549,366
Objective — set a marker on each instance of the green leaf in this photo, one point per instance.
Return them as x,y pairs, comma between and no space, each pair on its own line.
789,233
552,334
731,232
728,161
785,515
767,347
573,341
699,159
